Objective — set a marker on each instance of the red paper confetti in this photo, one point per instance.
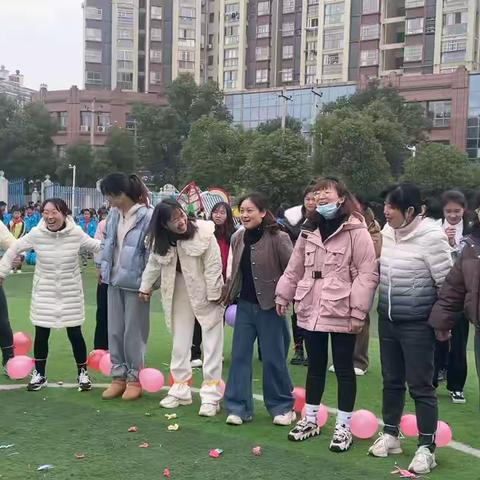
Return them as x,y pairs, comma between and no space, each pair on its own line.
215,453
403,473
144,445
166,473
257,451
132,429
79,456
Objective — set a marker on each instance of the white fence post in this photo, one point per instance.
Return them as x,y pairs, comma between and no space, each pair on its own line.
3,187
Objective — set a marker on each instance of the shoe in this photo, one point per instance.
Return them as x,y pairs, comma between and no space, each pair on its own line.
285,419
458,397
115,390
37,382
209,409
442,375
173,402
132,392
234,420
303,430
305,362
359,372
84,383
423,461
196,363
385,445
19,271
331,369
298,358
342,439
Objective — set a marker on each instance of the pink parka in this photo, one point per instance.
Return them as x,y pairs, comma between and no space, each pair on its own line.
333,283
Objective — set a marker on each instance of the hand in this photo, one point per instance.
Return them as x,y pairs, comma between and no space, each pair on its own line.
145,296
451,235
17,261
443,335
281,310
99,275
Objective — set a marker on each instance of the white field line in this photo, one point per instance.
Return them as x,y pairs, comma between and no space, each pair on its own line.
460,447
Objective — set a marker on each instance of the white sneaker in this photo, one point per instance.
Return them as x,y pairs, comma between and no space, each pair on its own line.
285,419
423,461
359,372
173,402
84,383
342,439
234,420
331,369
385,445
209,409
197,363
37,382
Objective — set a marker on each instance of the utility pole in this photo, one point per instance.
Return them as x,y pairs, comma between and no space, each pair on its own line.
74,180
286,98
319,95
92,123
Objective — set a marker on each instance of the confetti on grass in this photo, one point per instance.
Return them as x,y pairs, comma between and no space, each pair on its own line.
44,468
144,445
170,416
133,429
257,451
215,453
166,473
173,428
403,473
79,456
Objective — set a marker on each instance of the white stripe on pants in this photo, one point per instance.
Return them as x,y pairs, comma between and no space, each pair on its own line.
183,322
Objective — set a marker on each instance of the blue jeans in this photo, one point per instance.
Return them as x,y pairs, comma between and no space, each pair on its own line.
477,353
252,322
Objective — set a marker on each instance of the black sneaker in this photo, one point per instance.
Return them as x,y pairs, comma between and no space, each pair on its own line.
84,383
303,430
37,382
298,358
342,439
458,397
442,375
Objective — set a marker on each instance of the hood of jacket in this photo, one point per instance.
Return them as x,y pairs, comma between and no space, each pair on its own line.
294,215
424,227
70,225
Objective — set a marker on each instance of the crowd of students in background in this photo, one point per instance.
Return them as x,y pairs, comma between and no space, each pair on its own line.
326,257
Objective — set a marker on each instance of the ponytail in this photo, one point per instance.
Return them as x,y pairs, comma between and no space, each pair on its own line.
138,190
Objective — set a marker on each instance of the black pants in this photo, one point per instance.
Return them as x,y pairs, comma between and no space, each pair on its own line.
343,345
407,355
40,347
442,350
100,340
457,359
6,334
298,334
197,341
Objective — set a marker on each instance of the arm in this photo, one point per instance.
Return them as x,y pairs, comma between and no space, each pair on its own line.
99,235
212,262
438,257
90,244
150,274
284,249
365,283
6,238
20,246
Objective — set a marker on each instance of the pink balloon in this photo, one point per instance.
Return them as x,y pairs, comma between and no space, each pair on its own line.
151,379
19,367
231,315
444,434
94,357
299,396
221,387
364,424
408,425
22,343
105,365
322,415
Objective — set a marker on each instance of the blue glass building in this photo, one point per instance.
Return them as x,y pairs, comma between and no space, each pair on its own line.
473,125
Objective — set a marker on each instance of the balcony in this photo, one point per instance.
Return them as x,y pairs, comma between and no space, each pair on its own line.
392,60
414,3
393,35
457,29
332,69
454,5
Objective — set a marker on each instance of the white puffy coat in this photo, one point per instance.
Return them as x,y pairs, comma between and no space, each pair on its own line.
202,270
6,238
57,293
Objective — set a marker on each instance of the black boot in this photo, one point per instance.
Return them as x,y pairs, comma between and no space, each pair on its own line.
298,358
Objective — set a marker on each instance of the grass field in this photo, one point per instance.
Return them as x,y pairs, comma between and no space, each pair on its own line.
51,426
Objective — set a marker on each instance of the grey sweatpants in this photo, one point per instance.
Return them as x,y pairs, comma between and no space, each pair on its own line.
128,328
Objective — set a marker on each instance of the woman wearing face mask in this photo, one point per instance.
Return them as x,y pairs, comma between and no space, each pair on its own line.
260,253
186,257
414,262
57,294
222,217
123,261
332,277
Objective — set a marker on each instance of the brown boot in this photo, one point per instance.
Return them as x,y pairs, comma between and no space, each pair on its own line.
133,391
115,390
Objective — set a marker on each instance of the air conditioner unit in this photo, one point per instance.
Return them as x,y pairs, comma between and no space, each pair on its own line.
84,128
101,129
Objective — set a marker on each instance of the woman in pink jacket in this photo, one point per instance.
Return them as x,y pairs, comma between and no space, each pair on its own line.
332,276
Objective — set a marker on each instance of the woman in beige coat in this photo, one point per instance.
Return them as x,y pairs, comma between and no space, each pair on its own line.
186,257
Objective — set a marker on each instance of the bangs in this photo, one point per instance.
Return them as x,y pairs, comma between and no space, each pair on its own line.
327,183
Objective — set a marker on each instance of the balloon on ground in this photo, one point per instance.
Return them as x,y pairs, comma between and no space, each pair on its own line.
105,365
299,396
151,379
22,343
444,434
408,425
94,357
20,367
364,424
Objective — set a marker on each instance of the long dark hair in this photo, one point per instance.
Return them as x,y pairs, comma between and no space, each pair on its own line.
228,228
269,222
403,196
160,238
131,185
59,204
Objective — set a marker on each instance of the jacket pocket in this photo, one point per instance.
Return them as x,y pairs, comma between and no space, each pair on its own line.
309,259
334,256
303,303
335,301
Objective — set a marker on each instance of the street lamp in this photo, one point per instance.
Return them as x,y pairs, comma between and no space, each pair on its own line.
413,149
74,179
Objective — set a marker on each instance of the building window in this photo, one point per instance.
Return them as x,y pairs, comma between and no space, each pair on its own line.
186,42
155,78
368,57
333,39
232,13
187,12
310,74
93,78
93,56
261,76
85,121
156,13
121,43
263,31
453,57
263,8
454,45
440,112
156,56
93,13
334,13
230,57
370,32
124,65
93,34
414,3
210,60
211,17
413,53
62,120
125,80
288,6
414,26
430,25
332,63
287,52
125,33
186,60
455,23
312,51
230,79
103,120
156,34
288,29
287,75
370,6
312,23
262,53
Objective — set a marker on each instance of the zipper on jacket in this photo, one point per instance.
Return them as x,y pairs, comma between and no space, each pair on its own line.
390,293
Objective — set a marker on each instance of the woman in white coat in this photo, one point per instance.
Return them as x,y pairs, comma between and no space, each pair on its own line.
57,293
186,257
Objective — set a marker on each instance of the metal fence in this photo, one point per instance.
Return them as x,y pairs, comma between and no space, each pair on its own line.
16,192
83,197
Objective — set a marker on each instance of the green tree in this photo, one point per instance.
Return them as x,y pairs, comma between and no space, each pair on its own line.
277,164
276,124
81,155
438,167
119,153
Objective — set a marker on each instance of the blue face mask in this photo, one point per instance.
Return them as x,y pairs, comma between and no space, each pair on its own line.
328,211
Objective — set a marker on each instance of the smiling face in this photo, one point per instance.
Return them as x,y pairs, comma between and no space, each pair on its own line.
327,195
53,217
453,213
250,215
219,216
178,222
309,202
